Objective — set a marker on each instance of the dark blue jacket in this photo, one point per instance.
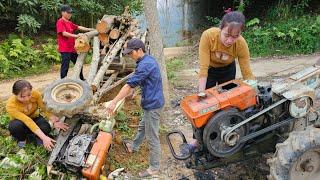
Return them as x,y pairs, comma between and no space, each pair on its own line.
147,75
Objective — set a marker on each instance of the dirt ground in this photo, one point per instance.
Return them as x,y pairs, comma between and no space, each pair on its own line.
184,84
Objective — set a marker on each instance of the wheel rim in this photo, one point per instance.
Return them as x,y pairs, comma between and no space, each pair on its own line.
219,147
307,166
67,93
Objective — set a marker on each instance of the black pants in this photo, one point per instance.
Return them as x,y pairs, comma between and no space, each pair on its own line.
20,131
221,75
66,57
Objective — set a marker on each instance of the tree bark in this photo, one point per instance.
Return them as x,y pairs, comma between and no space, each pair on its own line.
110,80
98,95
108,59
95,60
156,43
90,34
143,37
78,66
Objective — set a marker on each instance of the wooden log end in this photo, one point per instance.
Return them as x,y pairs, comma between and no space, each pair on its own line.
82,44
104,38
114,34
102,27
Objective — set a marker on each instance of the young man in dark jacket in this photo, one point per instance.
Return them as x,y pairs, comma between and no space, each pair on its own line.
147,75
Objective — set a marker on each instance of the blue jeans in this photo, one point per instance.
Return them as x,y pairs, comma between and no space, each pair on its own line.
66,57
149,129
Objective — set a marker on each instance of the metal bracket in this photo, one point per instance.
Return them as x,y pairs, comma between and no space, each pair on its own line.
181,157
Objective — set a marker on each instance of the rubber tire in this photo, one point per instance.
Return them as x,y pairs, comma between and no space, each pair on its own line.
72,108
290,150
206,135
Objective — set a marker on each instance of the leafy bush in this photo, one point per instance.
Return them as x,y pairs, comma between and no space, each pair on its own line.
32,158
20,57
4,121
50,51
27,24
31,14
122,122
294,36
20,54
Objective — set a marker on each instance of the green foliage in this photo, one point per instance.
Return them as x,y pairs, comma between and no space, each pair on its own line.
253,22
20,57
122,123
27,24
31,14
50,51
287,9
294,36
20,54
4,121
34,159
173,65
214,21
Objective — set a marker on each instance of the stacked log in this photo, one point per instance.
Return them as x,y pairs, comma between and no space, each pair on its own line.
108,67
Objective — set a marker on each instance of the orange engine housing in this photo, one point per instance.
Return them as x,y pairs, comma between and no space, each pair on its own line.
97,156
233,93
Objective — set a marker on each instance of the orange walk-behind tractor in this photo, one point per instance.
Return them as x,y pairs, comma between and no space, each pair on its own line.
235,120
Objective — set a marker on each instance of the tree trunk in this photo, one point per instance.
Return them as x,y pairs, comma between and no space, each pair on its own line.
90,34
156,43
95,60
98,95
107,61
110,80
78,66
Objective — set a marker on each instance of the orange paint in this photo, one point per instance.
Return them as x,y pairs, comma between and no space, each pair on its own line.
235,93
97,156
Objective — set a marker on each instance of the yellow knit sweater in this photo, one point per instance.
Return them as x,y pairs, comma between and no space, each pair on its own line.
19,111
213,53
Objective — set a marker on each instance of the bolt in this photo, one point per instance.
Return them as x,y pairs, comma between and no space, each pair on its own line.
309,168
306,166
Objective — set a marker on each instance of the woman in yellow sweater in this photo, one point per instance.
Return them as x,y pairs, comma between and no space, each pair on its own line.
219,47
23,108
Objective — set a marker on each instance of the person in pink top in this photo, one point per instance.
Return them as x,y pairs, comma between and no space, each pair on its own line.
66,39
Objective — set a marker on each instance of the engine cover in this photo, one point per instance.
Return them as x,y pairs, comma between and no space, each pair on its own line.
76,151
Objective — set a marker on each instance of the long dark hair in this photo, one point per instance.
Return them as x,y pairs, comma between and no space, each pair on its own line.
234,20
19,85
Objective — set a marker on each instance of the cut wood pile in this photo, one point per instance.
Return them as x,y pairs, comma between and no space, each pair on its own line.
109,68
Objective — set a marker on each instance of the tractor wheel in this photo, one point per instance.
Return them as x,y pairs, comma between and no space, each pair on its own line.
67,97
212,133
297,158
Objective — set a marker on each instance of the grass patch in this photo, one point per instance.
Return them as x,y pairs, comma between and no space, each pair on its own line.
174,65
185,42
35,70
